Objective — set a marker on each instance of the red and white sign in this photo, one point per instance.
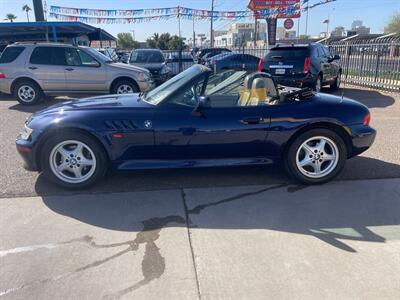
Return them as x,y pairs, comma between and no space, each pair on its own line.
263,4
288,24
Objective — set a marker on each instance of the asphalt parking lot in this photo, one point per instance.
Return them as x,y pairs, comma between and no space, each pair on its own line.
381,161
227,233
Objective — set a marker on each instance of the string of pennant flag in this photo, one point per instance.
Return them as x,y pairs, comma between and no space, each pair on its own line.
126,16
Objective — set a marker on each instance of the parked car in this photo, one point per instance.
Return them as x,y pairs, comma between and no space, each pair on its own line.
206,53
154,61
30,71
236,61
197,119
110,53
173,62
309,65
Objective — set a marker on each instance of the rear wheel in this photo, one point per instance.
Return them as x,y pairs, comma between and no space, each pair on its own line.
318,84
316,156
27,92
73,160
336,85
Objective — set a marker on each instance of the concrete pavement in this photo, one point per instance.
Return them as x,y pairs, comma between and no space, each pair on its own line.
278,241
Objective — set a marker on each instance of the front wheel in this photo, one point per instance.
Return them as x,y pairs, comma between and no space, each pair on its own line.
316,156
125,87
73,160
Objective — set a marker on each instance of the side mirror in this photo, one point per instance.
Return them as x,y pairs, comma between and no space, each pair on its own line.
203,103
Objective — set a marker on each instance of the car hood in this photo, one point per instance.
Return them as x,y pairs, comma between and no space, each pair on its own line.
128,67
97,103
150,66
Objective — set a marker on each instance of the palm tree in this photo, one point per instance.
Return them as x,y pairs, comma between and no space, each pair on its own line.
10,17
26,9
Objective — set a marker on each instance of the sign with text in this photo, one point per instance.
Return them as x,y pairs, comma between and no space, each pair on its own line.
271,24
263,4
276,8
288,24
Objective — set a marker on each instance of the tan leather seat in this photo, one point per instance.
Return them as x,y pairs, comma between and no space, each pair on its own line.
258,92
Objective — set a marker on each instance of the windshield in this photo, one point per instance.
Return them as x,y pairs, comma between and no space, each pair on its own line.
147,57
97,55
160,93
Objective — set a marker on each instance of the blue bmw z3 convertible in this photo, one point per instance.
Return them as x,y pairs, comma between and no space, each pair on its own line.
197,119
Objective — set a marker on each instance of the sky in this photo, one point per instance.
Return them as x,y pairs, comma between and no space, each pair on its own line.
374,14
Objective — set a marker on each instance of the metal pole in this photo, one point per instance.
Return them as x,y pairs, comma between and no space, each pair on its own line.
308,8
298,29
255,31
194,34
212,23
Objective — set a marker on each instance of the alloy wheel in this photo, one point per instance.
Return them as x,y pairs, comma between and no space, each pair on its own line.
124,89
317,157
72,161
26,93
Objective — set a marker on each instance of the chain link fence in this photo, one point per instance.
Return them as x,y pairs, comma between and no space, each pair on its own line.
372,62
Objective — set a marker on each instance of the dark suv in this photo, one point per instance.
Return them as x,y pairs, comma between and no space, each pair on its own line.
309,65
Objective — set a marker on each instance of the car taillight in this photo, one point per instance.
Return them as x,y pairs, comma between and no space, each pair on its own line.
307,64
367,119
260,64
2,75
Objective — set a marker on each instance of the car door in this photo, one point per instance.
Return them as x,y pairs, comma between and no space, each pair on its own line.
223,131
84,73
325,64
333,67
46,65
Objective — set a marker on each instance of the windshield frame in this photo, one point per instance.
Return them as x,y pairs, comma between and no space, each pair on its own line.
201,71
96,55
148,53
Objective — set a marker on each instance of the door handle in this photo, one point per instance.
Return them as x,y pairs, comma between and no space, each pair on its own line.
252,120
69,69
32,68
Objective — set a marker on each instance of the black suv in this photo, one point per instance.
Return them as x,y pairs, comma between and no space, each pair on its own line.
309,65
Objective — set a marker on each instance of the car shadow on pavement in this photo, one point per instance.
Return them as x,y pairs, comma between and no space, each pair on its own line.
281,206
370,98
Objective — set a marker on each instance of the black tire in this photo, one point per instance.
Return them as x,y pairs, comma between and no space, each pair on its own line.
33,92
124,82
101,158
316,84
336,84
293,150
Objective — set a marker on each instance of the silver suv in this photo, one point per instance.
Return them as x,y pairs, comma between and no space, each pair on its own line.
30,71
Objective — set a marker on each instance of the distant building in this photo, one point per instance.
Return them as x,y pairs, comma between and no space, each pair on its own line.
283,34
338,32
356,23
362,30
239,34
358,27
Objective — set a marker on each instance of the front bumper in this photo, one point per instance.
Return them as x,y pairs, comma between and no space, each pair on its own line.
160,78
362,139
26,151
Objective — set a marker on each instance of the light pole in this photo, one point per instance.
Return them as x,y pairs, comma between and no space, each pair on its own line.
212,23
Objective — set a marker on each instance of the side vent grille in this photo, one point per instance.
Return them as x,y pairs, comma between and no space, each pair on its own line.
119,125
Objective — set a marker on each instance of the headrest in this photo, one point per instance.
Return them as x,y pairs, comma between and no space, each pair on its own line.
259,83
270,83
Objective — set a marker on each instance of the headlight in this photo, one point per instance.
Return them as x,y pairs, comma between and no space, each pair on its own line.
165,70
142,77
25,133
